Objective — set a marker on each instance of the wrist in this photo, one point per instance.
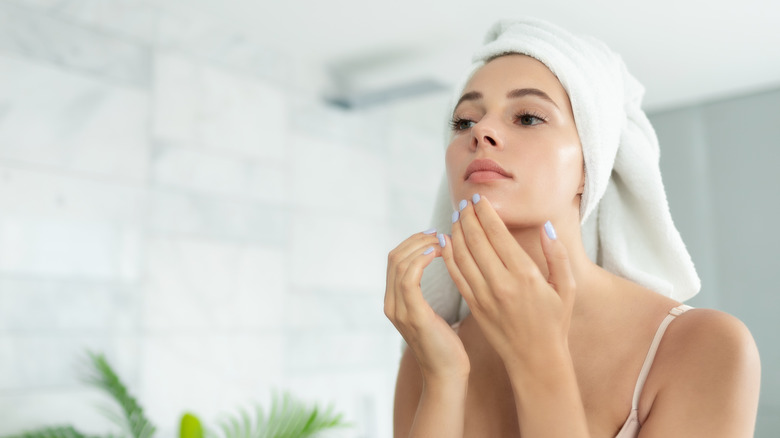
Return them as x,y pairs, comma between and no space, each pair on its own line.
449,381
543,367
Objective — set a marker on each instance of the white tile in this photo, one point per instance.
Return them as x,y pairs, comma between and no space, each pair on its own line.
208,375
45,361
186,29
28,410
416,160
130,18
43,37
330,124
48,305
56,118
204,284
69,248
338,252
307,351
176,212
212,173
211,107
334,177
333,310
54,195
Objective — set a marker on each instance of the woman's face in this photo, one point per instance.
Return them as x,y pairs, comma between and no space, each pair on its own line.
515,113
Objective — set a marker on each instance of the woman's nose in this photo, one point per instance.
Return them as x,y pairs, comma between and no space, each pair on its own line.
486,135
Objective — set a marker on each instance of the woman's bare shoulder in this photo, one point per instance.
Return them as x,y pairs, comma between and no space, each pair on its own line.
704,335
706,377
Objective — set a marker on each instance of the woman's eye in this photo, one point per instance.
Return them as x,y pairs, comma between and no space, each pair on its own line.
462,124
529,120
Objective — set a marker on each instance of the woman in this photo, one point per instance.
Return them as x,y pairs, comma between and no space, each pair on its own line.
570,269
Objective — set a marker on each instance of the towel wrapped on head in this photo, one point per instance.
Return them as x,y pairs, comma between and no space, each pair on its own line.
625,220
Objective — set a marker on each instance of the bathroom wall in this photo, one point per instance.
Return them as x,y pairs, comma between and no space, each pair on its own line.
173,194
719,161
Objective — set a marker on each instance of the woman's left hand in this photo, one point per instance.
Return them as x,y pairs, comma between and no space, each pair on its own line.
521,312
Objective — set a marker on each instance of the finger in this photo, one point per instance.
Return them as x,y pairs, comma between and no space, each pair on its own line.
410,244
465,263
457,276
511,254
408,294
560,274
402,251
485,256
409,283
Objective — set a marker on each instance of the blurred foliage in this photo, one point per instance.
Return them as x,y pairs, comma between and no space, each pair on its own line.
287,418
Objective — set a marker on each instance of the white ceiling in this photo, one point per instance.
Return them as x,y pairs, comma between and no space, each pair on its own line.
682,51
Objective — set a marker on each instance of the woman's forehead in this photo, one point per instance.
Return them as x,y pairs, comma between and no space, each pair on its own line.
516,71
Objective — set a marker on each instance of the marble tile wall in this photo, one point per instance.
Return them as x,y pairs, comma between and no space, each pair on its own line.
170,196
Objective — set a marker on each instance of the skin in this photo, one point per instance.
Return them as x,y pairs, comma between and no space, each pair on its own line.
554,343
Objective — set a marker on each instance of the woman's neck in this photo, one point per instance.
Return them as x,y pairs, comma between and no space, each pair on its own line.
591,279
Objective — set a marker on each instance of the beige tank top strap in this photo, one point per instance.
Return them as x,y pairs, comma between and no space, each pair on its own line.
640,383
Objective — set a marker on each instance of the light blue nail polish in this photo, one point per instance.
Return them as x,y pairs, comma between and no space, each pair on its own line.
428,251
455,216
463,203
429,231
442,242
475,198
548,228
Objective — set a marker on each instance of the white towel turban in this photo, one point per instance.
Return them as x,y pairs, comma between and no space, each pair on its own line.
625,220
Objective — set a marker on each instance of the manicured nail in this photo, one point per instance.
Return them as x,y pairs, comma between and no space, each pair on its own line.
463,203
548,228
455,216
429,231
442,242
475,198
428,251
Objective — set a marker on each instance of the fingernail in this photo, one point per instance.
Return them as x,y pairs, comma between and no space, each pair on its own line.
455,216
428,251
429,231
442,242
548,228
475,198
462,205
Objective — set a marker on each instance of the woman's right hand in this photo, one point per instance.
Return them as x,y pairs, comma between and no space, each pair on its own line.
437,348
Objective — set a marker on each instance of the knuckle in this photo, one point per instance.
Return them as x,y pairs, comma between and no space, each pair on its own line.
503,294
392,257
414,324
402,319
401,268
536,282
408,285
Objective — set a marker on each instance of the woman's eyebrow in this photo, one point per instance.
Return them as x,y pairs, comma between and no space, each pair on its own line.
471,95
521,92
514,94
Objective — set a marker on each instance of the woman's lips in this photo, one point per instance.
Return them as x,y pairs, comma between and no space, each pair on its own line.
485,175
485,170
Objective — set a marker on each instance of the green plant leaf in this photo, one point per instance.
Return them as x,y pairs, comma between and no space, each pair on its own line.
287,418
103,377
190,427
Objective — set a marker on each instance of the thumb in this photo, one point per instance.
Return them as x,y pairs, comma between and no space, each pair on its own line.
558,265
